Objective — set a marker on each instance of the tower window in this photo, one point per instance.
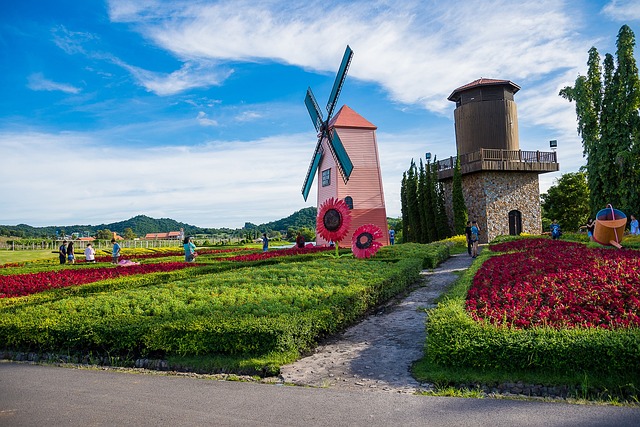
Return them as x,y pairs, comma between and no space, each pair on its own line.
326,177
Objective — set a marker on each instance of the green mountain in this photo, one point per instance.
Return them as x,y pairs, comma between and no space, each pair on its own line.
142,224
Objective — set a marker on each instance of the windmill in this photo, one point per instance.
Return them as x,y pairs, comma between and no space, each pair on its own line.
351,139
345,166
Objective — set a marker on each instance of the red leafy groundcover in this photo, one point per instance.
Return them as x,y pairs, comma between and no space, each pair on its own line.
179,252
18,285
557,284
276,253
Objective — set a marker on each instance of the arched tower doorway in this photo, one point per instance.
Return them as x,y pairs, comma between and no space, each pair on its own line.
515,223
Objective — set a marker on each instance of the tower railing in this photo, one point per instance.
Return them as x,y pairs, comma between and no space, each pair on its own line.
498,159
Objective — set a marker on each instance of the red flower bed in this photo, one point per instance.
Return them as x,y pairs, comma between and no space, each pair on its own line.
557,284
25,284
276,253
179,252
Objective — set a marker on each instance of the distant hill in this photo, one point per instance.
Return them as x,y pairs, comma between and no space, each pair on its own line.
142,224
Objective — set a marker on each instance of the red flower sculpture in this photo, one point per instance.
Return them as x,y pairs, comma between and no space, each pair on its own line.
333,220
364,243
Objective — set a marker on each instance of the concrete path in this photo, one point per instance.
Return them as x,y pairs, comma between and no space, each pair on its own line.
32,395
377,353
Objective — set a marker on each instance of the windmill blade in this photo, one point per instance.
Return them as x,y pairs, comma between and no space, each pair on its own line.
337,84
311,172
314,110
345,166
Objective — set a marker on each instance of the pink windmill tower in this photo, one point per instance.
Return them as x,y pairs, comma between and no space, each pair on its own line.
352,171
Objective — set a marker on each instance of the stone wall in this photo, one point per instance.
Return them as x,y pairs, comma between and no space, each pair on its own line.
491,195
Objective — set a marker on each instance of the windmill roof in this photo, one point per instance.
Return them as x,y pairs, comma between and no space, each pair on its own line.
483,82
348,118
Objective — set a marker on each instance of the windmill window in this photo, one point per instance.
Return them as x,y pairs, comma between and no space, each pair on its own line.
349,201
326,177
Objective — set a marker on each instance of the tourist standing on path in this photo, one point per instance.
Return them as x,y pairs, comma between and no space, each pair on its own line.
189,250
90,253
116,251
633,226
475,233
71,255
467,232
265,242
392,236
62,251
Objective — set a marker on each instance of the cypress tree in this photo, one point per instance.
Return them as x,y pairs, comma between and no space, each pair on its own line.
424,233
460,214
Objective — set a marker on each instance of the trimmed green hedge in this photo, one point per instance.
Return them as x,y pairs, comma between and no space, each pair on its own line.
224,308
456,340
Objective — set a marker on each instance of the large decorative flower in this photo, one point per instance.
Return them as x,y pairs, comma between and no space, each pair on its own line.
364,243
333,220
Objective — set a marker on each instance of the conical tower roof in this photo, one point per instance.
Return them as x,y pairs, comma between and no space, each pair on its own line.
348,118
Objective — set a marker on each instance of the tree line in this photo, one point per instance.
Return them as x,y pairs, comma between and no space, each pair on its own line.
424,216
607,100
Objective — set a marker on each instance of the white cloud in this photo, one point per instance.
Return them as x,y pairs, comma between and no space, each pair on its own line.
190,75
75,178
38,82
623,10
204,121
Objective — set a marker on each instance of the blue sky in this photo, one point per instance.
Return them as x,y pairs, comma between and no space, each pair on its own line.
193,110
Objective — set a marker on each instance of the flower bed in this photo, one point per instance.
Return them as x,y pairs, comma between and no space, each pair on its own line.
557,284
25,284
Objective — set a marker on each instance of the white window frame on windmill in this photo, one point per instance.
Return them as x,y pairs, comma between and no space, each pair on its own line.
326,177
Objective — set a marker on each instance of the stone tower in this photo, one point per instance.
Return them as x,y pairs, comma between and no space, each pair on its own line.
499,181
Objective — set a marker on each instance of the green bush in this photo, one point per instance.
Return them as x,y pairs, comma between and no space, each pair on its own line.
454,339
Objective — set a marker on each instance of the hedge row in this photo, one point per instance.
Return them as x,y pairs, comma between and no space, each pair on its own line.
456,340
224,308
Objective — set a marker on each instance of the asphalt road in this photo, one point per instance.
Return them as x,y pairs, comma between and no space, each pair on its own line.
34,395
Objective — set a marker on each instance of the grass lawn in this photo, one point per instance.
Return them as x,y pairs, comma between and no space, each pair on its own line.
7,256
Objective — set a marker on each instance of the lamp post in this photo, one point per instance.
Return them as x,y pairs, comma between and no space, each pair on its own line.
428,157
553,144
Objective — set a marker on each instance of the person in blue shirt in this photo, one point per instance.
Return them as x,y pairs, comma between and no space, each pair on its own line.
189,250
475,232
633,226
555,230
116,251
392,236
62,251
265,242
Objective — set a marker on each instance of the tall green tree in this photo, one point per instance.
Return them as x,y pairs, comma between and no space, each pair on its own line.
422,196
460,214
607,102
404,206
568,201
432,232
413,228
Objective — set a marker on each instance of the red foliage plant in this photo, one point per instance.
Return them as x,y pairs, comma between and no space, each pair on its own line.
557,284
30,283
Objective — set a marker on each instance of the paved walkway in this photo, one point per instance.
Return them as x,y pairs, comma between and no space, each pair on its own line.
377,353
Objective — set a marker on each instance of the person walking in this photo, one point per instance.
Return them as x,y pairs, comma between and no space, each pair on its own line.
71,255
115,254
62,252
189,250
475,233
265,242
90,253
467,232
392,236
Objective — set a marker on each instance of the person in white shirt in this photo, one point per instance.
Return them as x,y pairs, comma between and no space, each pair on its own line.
90,253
